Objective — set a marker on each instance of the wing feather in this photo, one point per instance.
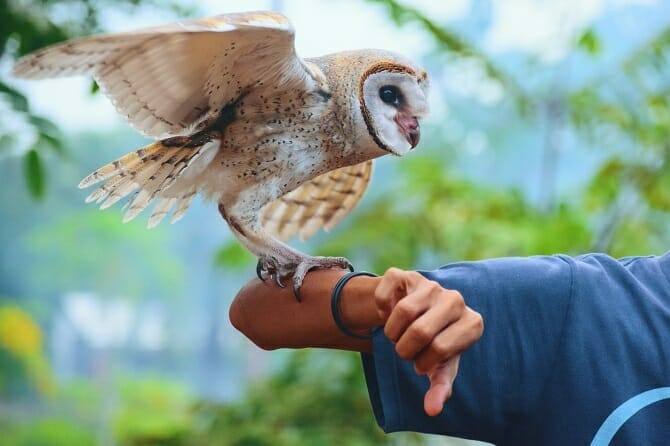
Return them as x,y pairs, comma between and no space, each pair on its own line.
320,203
166,80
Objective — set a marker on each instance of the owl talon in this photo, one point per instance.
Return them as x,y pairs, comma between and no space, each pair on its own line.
296,292
298,278
267,268
278,281
259,270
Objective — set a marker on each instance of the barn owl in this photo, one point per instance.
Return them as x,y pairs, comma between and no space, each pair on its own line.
283,145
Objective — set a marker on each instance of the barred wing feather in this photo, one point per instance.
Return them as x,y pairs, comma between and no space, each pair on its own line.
320,203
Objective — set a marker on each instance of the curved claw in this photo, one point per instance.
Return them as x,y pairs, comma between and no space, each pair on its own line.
259,270
278,281
296,293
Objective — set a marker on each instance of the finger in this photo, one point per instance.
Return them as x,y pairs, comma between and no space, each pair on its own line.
407,311
389,291
441,386
450,342
445,308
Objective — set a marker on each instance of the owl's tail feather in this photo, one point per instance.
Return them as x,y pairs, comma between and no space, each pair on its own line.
148,172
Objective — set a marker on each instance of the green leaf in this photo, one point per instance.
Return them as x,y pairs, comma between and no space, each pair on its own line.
55,143
16,99
44,125
94,87
48,134
590,42
34,174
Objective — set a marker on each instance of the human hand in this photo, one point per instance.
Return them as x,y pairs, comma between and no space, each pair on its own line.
430,326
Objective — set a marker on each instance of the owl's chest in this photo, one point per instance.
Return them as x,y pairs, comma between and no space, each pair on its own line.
275,143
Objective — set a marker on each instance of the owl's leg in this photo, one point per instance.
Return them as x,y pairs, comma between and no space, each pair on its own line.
276,259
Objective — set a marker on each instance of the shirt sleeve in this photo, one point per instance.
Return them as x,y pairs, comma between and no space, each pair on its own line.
524,303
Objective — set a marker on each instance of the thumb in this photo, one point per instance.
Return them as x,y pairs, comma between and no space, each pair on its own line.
441,384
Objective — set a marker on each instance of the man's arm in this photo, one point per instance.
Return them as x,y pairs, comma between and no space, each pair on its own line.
542,372
523,301
427,323
272,318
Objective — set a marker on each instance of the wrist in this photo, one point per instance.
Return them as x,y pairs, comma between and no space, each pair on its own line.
357,304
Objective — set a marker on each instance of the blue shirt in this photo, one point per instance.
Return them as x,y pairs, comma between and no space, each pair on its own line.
575,351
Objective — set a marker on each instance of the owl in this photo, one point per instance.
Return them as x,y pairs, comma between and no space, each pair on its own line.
284,145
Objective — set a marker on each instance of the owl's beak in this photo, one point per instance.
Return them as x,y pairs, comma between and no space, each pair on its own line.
409,126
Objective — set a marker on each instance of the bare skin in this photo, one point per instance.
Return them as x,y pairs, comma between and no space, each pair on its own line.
428,324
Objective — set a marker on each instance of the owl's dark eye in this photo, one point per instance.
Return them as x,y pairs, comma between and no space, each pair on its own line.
390,95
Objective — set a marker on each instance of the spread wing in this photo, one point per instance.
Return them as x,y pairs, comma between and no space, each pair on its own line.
319,203
166,80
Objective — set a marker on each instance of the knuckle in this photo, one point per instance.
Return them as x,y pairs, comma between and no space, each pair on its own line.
416,276
421,367
442,349
420,334
380,297
477,323
456,300
433,287
393,273
382,305
406,309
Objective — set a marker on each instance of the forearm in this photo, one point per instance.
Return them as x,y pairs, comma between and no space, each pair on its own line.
428,324
272,318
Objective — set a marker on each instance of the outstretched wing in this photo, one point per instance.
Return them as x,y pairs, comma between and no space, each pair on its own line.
319,203
166,80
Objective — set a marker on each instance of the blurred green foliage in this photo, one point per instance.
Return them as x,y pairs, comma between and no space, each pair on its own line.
439,218
429,214
91,239
315,399
590,42
143,411
446,40
152,412
27,25
34,171
23,366
47,432
233,256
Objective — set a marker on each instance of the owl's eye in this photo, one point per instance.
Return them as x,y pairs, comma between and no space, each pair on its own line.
390,95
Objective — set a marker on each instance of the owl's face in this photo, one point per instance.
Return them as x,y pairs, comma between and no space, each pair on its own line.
393,103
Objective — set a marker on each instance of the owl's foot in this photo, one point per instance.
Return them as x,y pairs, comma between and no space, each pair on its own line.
310,263
269,268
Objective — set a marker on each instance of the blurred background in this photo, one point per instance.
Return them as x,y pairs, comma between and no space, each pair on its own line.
550,132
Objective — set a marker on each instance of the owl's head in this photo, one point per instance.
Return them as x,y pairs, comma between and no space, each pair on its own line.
393,98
